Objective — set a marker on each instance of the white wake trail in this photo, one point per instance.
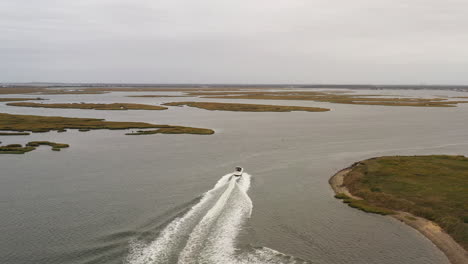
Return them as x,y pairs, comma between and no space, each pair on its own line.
161,249
201,233
207,233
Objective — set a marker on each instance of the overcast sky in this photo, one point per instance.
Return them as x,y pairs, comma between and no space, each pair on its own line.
235,41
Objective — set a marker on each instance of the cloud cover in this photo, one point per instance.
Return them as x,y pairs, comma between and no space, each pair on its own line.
235,41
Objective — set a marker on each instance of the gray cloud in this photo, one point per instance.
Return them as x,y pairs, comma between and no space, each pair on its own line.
227,41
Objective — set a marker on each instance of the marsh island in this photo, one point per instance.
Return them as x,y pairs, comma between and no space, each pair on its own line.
20,149
430,193
331,97
21,123
247,107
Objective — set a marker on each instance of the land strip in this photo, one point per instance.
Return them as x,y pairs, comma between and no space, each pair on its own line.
15,149
55,146
14,133
247,107
175,130
52,90
113,106
21,123
329,97
157,96
19,99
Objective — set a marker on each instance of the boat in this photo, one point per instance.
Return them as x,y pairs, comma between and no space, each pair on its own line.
238,171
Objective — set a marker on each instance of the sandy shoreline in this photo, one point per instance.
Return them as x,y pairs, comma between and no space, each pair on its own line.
454,252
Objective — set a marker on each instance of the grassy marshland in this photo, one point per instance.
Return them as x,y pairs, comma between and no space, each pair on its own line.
362,205
19,99
331,97
19,149
53,145
247,107
175,130
432,187
14,133
15,149
114,106
32,123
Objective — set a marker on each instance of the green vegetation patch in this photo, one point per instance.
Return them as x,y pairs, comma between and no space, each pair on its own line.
366,207
342,196
362,205
19,149
113,106
411,218
433,187
14,133
47,143
19,99
15,149
175,130
247,107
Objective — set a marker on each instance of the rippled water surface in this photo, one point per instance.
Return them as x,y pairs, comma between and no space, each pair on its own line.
112,198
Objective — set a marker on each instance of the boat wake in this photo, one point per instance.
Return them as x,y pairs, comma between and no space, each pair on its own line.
207,232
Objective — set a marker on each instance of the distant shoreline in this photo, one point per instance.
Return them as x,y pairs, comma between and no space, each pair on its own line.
456,87
454,252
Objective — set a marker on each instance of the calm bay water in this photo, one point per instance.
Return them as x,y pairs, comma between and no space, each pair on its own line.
110,197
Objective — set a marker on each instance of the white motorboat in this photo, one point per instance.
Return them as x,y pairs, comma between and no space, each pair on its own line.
238,171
